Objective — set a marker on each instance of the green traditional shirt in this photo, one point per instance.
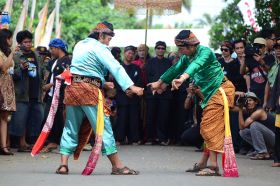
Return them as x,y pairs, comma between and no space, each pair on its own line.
202,67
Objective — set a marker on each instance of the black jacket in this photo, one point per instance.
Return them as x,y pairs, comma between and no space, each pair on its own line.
156,67
61,64
134,72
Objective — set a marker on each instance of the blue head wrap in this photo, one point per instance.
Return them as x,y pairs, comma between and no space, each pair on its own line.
59,43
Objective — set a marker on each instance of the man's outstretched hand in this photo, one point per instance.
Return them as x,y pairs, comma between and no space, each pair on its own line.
136,90
157,87
176,83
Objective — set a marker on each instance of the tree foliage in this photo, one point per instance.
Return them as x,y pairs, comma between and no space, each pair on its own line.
79,17
229,24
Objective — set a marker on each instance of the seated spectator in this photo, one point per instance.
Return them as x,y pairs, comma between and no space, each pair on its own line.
192,135
256,126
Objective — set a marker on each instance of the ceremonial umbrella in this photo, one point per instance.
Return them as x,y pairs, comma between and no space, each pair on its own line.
150,7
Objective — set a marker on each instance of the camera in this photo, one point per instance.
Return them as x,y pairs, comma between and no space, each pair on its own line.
22,47
250,51
241,101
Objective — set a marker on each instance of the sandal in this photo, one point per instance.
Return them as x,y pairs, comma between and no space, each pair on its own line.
6,153
211,171
275,165
48,149
58,171
25,149
261,156
124,171
196,168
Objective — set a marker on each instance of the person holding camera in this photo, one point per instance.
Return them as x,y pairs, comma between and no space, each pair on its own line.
256,126
193,100
257,64
29,71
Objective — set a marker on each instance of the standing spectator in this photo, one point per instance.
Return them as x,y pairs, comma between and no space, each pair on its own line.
257,64
269,36
231,69
128,104
28,77
44,53
55,67
158,105
141,58
275,105
7,91
142,50
116,52
239,49
231,66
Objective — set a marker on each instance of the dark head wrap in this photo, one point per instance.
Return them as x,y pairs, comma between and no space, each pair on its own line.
59,43
160,43
186,37
130,47
104,27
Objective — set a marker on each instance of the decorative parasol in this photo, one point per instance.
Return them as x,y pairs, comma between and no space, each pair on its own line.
150,7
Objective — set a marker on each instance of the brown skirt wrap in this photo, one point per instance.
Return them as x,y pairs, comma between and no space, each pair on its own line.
212,125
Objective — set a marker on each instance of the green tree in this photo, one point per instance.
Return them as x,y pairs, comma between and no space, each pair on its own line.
229,24
79,17
206,20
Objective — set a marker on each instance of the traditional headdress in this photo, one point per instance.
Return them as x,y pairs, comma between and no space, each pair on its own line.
186,37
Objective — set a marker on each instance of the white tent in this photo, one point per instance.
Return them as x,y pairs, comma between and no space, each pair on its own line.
135,37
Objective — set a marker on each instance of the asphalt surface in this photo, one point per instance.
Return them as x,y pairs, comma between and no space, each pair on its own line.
158,166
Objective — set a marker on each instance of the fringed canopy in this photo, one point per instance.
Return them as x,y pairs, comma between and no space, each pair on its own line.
156,7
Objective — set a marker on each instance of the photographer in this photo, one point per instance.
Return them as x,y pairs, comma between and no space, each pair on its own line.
192,135
28,77
257,64
256,126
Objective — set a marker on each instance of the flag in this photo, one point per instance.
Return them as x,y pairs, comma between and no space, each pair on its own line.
39,32
49,28
9,6
247,8
58,31
32,13
57,21
21,20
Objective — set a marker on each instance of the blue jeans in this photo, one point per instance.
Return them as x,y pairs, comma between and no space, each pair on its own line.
27,119
258,135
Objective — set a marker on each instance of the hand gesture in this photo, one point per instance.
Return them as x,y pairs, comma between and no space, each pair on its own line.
137,90
176,83
109,85
129,93
156,86
47,86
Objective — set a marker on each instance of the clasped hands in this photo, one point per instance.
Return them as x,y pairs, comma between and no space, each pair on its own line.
159,86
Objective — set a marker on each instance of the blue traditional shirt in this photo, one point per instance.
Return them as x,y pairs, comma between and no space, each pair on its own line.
94,59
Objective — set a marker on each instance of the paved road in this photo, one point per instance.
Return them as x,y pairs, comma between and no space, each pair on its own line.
159,166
